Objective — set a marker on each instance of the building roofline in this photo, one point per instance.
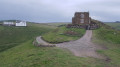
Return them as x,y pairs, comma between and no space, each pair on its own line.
81,12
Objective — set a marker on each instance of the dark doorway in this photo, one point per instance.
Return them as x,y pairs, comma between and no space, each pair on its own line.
88,27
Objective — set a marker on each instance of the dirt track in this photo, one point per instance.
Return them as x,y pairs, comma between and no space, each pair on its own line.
82,47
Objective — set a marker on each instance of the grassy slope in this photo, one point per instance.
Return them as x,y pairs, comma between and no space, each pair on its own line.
115,25
58,35
111,43
13,36
27,55
24,54
58,24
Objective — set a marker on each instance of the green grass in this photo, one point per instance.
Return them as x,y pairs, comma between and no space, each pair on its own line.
17,49
111,43
63,34
27,55
115,25
12,36
109,35
57,24
43,25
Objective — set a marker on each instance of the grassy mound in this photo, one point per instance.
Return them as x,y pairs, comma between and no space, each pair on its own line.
110,40
63,34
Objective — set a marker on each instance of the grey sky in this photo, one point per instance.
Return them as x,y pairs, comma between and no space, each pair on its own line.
58,10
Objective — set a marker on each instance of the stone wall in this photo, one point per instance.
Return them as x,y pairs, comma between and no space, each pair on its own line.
81,18
87,27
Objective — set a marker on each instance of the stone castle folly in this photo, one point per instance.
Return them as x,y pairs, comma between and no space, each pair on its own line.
82,20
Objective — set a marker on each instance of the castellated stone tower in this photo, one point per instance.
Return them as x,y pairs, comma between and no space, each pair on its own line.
81,18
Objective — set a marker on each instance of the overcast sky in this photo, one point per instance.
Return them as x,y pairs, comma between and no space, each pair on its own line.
58,10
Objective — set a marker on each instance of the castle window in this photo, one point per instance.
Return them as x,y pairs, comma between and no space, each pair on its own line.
81,20
82,15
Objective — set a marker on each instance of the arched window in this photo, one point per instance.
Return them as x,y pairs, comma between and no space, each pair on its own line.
82,15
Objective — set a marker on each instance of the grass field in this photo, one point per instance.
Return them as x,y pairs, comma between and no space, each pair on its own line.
58,23
17,49
115,25
110,40
12,36
63,34
27,55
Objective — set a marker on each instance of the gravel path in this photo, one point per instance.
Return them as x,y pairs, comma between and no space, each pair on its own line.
82,47
42,42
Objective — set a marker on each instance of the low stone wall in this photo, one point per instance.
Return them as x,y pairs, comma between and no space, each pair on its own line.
75,26
87,27
93,27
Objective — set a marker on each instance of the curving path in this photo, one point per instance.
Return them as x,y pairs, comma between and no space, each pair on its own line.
82,47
